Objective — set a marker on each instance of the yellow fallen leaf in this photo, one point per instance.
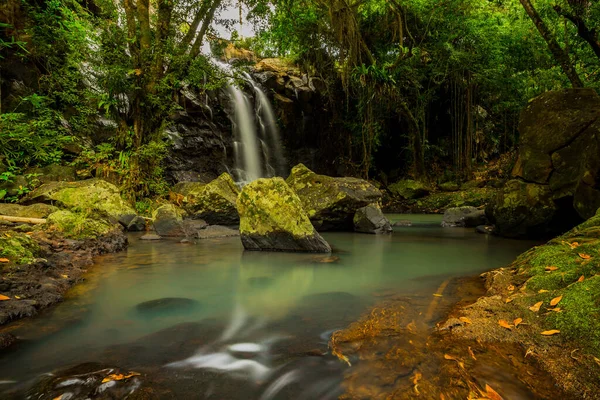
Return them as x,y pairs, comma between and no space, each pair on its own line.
472,354
491,393
511,288
415,381
517,321
504,324
551,268
508,300
557,309
555,301
449,357
550,332
465,320
437,295
4,260
3,297
119,377
581,278
17,297
536,306
543,291
585,256
573,245
65,276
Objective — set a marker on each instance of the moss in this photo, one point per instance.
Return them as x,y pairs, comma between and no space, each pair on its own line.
78,225
18,248
440,201
409,189
269,205
215,200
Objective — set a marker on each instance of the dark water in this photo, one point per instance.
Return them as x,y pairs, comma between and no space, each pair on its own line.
250,325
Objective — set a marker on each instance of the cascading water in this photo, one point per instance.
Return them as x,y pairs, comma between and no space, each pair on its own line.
255,156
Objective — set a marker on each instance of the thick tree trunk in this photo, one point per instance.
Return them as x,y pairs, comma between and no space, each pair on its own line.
559,54
205,24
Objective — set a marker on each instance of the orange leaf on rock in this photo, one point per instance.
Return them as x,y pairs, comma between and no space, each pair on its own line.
508,300
4,260
573,245
551,268
557,309
472,354
511,288
119,377
555,301
491,393
550,332
581,278
585,256
3,297
517,321
465,320
504,324
536,306
543,291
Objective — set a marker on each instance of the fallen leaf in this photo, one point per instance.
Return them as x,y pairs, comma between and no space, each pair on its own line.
551,268
508,300
543,291
3,297
557,309
511,288
504,324
17,297
585,256
581,278
573,245
4,260
65,276
415,381
536,306
550,332
465,320
437,295
449,357
119,377
472,354
517,321
491,393
555,300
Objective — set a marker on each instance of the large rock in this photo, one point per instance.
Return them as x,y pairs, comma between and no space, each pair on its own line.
91,195
331,202
522,210
38,210
272,218
214,202
370,219
560,147
466,216
409,189
167,220
78,225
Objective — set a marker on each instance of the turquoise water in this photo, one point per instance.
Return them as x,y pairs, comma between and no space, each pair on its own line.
277,308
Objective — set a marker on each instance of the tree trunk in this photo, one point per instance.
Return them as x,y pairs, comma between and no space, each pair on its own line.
589,35
205,24
559,54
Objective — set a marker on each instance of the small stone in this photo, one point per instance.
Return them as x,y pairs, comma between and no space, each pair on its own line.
151,236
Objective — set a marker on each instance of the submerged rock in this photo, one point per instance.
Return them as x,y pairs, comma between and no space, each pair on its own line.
214,202
91,195
217,231
409,189
403,222
166,304
331,202
370,219
272,218
151,236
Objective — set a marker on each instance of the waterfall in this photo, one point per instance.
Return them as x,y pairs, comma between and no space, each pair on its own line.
255,155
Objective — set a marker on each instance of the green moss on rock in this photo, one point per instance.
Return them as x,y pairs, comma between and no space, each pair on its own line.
272,218
214,202
38,210
18,248
409,189
331,202
91,195
78,225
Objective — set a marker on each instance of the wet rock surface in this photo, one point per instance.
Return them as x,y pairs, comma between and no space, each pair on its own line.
167,304
467,216
217,231
370,219
272,218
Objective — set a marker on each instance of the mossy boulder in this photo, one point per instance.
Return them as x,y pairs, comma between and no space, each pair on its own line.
79,225
186,188
167,220
370,219
522,209
331,202
18,248
91,195
37,210
272,218
53,172
409,189
466,216
214,202
449,187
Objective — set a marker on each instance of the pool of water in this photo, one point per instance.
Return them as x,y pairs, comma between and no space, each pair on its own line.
240,324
